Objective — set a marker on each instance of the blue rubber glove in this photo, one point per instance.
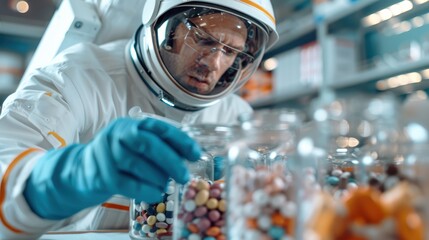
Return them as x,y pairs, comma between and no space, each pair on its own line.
218,167
134,158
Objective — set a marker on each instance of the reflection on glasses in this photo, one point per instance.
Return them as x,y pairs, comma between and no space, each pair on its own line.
205,43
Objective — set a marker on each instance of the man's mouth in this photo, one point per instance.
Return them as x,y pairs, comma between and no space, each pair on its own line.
199,85
200,80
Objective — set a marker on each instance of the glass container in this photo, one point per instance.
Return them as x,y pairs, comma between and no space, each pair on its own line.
260,189
214,139
202,202
200,206
374,190
153,221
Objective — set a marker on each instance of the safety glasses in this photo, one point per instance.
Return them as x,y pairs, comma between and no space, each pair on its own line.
205,44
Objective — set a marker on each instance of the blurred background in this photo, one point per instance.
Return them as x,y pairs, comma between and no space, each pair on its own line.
346,46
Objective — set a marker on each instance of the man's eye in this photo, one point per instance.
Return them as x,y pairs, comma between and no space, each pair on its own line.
229,51
203,39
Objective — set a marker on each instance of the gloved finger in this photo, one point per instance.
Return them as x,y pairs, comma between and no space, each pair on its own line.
127,138
159,153
218,165
218,161
140,190
144,170
176,138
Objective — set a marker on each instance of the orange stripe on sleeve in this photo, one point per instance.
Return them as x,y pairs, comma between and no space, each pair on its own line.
3,187
59,138
116,206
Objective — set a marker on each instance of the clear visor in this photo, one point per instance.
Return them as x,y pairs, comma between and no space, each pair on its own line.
208,52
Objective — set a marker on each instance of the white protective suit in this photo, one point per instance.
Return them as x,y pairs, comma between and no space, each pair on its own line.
67,102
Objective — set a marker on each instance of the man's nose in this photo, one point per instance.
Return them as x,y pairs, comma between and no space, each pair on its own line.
212,58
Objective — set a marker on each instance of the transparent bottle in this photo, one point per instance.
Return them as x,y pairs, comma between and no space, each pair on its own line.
261,198
153,221
199,205
214,139
260,189
201,202
385,201
271,133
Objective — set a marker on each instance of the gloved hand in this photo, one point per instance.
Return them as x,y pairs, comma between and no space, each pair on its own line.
134,158
218,167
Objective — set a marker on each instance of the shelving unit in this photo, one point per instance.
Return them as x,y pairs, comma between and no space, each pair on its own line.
355,12
280,99
346,20
382,73
304,33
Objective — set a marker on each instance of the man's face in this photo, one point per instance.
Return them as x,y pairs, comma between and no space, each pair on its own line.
201,54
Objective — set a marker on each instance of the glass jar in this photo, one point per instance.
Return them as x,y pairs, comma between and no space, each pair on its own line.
385,201
153,221
201,202
271,133
200,206
261,198
260,189
214,140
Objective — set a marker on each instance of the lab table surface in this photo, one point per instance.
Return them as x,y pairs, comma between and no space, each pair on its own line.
87,235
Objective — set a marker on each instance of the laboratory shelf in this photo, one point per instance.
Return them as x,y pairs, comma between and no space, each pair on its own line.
381,73
357,7
370,42
358,79
281,98
358,10
289,38
305,30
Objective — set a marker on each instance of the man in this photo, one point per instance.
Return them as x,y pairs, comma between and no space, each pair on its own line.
70,155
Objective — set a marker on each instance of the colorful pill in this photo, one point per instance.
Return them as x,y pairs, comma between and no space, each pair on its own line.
160,208
212,203
201,197
151,220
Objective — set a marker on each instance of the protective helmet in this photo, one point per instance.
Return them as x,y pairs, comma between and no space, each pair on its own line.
193,53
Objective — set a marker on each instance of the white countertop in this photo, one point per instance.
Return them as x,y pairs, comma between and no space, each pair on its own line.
94,235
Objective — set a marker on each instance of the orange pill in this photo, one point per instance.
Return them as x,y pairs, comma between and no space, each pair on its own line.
221,237
409,224
289,226
348,169
365,204
277,219
252,223
213,231
193,228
